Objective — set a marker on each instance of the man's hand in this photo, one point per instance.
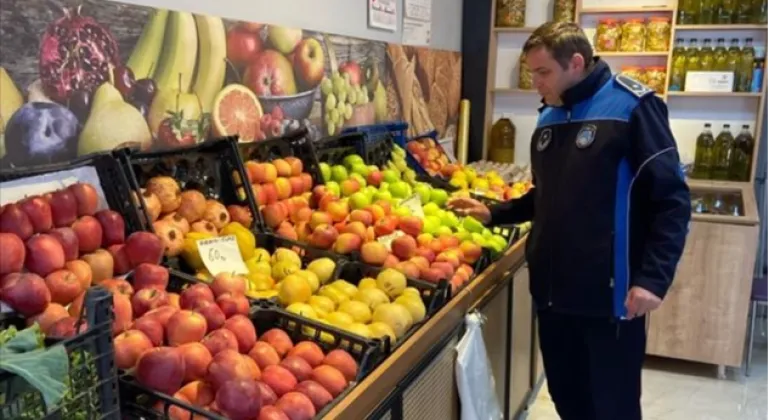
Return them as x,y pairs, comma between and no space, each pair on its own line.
464,206
640,301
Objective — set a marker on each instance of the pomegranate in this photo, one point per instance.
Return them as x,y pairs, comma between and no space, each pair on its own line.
76,54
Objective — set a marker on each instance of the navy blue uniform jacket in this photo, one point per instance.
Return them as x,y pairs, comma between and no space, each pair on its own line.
610,206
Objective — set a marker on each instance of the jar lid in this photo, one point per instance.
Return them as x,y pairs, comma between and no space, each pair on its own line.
608,21
657,68
631,68
635,20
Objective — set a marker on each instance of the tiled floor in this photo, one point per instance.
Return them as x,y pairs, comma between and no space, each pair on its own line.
674,390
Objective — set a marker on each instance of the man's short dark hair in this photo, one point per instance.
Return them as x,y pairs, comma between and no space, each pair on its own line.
562,40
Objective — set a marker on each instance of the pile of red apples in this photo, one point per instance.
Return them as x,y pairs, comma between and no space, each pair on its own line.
56,245
202,349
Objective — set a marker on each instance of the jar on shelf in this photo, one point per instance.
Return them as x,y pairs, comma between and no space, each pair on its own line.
502,147
525,77
608,35
656,78
658,33
635,72
510,13
632,35
564,11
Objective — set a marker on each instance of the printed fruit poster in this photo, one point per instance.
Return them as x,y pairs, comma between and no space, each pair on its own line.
79,77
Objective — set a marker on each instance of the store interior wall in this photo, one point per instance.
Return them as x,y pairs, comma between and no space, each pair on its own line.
342,17
687,115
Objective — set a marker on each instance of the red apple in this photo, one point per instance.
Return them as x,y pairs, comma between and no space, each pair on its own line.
64,286
270,74
354,71
242,46
232,304
128,348
102,265
309,62
121,264
89,233
220,340
214,316
144,247
230,365
192,295
269,412
319,396
161,369
14,253
145,300
14,220
244,331
296,406
52,313
66,327
87,198
69,242
185,327
39,213
228,283
118,286
239,399
44,254
26,293
63,207
113,227
151,328
150,276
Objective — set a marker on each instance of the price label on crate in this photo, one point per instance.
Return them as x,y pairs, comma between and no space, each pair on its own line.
386,240
221,255
413,203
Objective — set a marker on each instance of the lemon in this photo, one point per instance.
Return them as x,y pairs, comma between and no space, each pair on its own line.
381,330
359,311
345,287
311,278
323,268
359,329
371,297
266,294
322,305
412,291
414,305
336,295
367,283
302,309
282,269
294,289
392,282
285,254
396,316
340,319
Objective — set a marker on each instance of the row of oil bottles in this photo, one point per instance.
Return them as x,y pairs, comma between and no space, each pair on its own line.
721,12
723,157
747,63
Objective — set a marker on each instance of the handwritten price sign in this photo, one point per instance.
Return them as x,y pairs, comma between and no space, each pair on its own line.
221,255
413,203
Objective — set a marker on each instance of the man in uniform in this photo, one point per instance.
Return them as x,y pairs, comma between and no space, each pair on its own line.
610,211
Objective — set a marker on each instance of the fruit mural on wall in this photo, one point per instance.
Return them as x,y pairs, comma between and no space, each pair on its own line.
79,77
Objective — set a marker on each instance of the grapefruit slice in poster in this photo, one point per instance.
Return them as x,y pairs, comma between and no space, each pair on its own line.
236,111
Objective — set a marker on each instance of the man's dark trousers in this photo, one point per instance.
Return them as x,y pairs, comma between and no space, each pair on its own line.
593,365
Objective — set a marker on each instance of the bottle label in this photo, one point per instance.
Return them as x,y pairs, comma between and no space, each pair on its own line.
757,80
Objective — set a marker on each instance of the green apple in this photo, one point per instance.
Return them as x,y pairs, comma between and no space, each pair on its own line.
359,200
443,230
370,191
439,196
409,175
384,186
360,168
382,196
339,173
473,225
487,233
360,179
430,209
400,189
401,165
423,190
352,160
325,171
333,187
431,224
401,211
391,176
396,201
372,168
449,219
478,239
463,235
500,241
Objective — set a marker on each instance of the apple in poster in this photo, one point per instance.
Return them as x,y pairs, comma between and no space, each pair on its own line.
354,71
309,62
284,39
271,74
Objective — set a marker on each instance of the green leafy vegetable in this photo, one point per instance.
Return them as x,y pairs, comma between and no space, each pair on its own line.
44,369
22,341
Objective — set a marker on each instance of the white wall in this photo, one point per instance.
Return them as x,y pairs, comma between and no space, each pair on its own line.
342,17
687,114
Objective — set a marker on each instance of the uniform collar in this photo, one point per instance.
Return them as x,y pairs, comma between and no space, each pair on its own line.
586,88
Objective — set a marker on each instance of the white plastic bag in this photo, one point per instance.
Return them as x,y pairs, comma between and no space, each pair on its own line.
474,376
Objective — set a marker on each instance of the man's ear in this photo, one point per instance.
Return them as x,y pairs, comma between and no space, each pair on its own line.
578,63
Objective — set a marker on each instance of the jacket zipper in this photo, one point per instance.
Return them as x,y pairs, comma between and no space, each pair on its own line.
551,259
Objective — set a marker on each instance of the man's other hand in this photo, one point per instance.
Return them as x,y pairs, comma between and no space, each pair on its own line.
464,206
640,301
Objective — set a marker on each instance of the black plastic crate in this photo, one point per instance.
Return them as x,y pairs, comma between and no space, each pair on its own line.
374,151
112,179
212,167
93,383
434,296
139,402
397,129
413,163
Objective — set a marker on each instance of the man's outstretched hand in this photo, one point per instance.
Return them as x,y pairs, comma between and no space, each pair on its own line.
640,301
464,206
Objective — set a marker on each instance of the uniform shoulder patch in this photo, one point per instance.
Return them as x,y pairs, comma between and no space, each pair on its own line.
636,88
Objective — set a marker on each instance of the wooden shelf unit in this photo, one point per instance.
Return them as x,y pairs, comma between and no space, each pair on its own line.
732,27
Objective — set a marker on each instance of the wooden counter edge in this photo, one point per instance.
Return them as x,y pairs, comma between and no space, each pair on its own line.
367,395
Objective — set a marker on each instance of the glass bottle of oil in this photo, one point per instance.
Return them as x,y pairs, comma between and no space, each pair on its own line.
707,12
733,61
721,56
693,57
744,11
741,155
677,77
503,141
723,149
726,11
746,63
688,12
705,157
707,56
